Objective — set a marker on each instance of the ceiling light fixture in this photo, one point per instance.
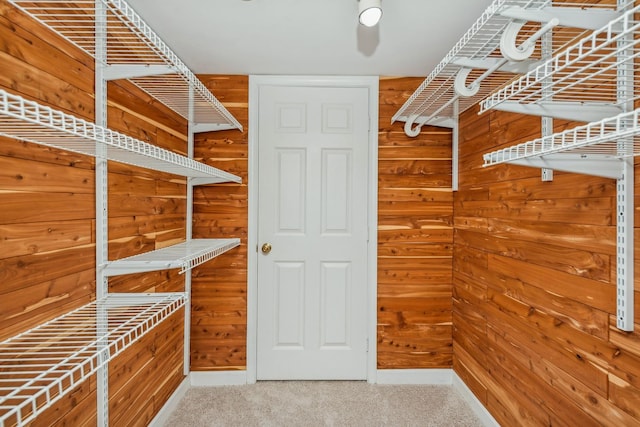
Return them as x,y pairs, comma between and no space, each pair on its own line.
369,12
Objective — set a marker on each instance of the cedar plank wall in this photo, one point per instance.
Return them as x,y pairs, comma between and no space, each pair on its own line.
415,240
534,288
47,220
219,287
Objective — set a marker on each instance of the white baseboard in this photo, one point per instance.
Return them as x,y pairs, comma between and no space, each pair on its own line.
217,378
414,376
171,404
478,408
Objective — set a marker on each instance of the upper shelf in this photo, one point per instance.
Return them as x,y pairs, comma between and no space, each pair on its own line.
582,82
593,149
30,121
134,52
503,42
184,256
41,365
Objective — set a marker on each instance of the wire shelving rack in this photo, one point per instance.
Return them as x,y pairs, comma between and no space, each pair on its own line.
134,52
477,59
43,364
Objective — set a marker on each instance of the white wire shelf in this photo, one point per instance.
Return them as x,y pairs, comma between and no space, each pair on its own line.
582,82
478,50
184,256
135,52
29,121
40,366
594,149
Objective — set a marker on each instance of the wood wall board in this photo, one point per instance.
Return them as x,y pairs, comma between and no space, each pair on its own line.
219,287
20,239
415,219
208,357
625,396
28,270
143,225
37,85
599,239
30,176
552,323
394,138
156,281
563,309
156,363
134,112
41,314
21,207
144,205
594,211
21,305
13,148
574,186
590,292
76,409
581,263
415,249
466,375
436,150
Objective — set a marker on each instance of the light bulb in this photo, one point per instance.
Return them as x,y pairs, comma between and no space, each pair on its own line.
370,12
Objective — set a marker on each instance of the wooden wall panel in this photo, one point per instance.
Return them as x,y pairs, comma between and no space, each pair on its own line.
47,220
415,239
534,288
219,287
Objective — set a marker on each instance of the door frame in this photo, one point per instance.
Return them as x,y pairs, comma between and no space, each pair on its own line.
372,84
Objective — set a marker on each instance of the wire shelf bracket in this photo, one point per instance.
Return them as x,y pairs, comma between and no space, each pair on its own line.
42,365
184,256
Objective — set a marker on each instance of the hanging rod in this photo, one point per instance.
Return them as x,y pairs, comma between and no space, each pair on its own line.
477,55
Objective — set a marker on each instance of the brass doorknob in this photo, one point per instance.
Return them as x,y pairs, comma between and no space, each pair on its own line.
266,248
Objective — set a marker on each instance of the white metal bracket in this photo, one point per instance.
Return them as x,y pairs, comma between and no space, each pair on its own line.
575,111
588,19
118,72
520,67
625,248
607,167
209,127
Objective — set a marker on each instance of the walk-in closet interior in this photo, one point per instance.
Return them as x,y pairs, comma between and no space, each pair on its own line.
499,226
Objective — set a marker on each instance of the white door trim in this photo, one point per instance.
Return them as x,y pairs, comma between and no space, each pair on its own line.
370,82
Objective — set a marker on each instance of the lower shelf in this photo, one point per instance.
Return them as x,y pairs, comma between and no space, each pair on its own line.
41,365
184,256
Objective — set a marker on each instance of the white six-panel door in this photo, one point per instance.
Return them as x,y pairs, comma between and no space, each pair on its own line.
312,204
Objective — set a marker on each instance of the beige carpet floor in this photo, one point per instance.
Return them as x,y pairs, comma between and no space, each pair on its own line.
323,403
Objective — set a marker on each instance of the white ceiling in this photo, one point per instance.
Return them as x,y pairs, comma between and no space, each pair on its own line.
306,37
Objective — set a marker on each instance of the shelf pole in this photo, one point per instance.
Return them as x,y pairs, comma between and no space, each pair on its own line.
625,193
189,236
455,135
102,213
547,92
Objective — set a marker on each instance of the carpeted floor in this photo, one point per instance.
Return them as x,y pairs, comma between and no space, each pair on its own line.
323,403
